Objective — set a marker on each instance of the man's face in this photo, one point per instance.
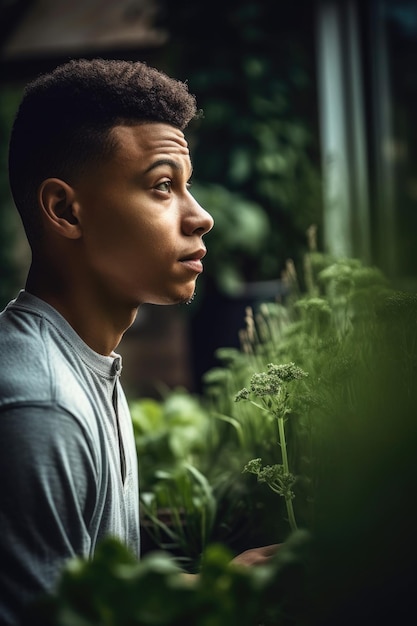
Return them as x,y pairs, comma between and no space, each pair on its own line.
141,228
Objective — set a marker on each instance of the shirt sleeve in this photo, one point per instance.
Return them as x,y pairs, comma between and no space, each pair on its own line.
48,484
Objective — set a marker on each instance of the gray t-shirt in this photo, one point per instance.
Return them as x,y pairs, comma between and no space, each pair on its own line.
68,467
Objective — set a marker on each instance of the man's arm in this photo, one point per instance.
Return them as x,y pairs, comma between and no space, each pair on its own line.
47,492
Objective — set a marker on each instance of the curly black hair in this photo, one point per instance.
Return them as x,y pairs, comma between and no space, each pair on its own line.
65,116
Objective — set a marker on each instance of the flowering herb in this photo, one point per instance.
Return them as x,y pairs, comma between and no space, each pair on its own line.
269,392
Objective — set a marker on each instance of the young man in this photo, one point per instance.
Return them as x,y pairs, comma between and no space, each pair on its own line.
99,171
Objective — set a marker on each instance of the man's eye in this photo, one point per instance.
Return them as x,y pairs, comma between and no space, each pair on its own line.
164,186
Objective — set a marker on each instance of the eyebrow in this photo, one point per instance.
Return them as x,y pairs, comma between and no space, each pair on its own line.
170,162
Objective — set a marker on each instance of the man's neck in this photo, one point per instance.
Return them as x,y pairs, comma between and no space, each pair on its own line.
99,325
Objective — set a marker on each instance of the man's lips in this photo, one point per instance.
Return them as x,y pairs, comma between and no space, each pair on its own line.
193,260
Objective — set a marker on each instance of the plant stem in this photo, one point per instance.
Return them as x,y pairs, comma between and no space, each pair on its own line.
288,500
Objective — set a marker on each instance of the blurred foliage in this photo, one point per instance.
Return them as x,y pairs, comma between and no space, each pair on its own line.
333,330
242,230
252,68
352,429
9,270
168,433
189,497
178,506
116,590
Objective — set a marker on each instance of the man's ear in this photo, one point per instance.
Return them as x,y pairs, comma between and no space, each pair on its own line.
59,207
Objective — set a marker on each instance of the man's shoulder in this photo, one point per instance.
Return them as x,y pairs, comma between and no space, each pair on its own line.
34,365
23,363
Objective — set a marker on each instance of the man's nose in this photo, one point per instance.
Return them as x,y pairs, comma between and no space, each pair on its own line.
197,219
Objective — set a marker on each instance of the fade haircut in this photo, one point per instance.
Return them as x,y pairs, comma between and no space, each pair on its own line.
64,119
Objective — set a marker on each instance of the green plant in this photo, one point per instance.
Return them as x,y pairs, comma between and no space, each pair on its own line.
114,589
330,330
352,432
168,432
271,391
178,506
179,512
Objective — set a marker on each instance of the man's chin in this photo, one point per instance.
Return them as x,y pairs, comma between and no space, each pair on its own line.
188,295
189,299
184,298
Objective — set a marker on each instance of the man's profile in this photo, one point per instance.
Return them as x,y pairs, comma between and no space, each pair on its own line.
99,171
